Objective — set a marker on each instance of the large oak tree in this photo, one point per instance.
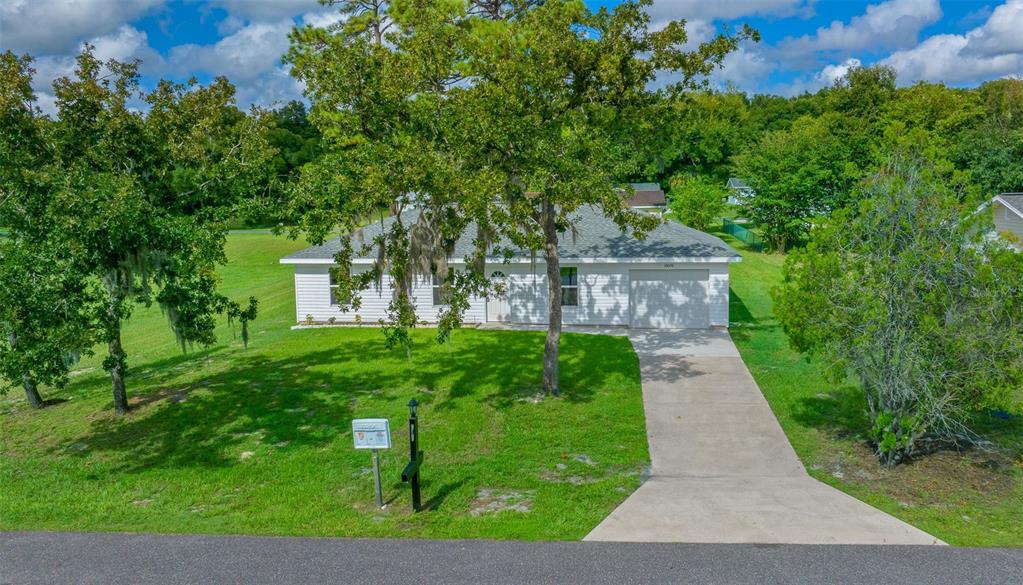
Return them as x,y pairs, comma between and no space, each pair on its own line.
138,199
506,115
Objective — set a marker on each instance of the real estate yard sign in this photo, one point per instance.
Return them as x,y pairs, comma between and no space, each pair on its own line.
375,434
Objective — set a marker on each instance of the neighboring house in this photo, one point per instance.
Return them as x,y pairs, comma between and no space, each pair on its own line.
1008,216
648,197
738,191
676,277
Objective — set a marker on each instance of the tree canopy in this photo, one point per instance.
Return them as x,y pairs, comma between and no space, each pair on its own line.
137,201
508,115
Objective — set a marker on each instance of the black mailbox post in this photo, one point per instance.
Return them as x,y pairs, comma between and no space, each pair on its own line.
411,472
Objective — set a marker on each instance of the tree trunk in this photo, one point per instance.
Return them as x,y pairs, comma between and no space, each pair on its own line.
117,374
31,391
550,353
115,362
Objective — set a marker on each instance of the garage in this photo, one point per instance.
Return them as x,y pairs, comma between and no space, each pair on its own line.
669,298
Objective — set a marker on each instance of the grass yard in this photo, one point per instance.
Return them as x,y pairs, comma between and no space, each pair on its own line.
258,441
972,498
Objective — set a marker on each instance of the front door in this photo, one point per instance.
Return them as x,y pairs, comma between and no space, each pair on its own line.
498,307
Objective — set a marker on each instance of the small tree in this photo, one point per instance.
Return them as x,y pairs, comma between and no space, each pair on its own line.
696,201
798,175
45,308
910,297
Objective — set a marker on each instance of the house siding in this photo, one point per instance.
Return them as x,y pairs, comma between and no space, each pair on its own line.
1007,220
312,298
603,294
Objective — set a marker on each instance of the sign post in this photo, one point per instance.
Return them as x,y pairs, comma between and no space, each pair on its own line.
411,473
373,434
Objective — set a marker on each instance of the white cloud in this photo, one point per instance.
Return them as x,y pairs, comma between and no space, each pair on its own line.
1001,34
892,24
832,73
743,68
274,87
245,55
322,19
267,10
46,27
664,10
994,49
250,58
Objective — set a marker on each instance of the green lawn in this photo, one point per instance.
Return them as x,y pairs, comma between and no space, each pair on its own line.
970,498
258,441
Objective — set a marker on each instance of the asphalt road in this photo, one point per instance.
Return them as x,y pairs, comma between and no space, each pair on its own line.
140,559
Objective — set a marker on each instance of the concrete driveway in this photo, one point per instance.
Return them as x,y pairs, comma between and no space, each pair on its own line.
722,469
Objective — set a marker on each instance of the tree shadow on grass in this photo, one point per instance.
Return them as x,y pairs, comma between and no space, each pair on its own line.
839,411
509,364
305,398
202,424
741,322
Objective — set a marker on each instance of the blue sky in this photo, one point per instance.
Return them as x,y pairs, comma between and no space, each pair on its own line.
806,44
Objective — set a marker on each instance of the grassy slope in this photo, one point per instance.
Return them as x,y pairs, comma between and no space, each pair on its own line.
258,441
974,498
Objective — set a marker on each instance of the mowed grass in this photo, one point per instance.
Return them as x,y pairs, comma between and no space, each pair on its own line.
969,498
258,440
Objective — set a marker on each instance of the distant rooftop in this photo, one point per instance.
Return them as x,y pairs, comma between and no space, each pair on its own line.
737,183
647,195
1013,200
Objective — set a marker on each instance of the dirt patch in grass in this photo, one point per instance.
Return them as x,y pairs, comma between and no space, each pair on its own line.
931,480
492,501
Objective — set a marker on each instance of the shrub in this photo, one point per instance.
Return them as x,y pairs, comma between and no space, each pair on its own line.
905,292
696,201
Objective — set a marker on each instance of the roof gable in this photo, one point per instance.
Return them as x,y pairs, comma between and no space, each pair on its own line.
1013,201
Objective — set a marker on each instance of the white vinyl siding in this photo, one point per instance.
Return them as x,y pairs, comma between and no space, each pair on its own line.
312,297
603,293
603,297
1006,220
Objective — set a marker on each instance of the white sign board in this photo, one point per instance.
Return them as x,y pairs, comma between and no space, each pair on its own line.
371,433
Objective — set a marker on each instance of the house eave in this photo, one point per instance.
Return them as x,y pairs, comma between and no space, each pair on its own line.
1008,206
538,259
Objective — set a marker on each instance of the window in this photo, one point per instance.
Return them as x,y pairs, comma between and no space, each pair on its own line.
569,286
333,286
441,292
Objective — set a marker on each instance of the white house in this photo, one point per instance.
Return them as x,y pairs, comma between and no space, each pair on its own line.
676,277
1008,216
738,191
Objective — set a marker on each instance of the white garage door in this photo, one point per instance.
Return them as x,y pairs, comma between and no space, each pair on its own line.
669,299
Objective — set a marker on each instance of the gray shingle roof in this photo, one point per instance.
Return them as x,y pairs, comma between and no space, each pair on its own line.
594,236
1014,200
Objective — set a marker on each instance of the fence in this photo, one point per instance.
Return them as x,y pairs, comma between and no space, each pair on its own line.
755,242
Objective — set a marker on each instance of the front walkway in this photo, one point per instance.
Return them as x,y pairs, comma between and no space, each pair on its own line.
722,469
